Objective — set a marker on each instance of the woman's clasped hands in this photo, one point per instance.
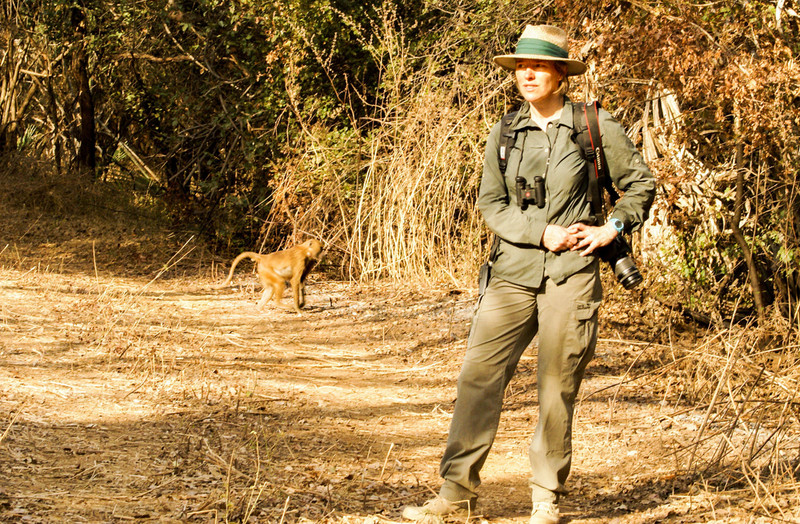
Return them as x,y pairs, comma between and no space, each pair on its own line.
578,237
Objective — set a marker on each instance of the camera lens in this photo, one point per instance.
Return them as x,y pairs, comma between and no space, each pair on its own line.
627,273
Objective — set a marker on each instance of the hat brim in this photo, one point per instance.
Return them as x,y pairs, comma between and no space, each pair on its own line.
574,67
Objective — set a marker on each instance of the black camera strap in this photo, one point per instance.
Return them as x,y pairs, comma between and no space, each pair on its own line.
586,134
507,139
586,129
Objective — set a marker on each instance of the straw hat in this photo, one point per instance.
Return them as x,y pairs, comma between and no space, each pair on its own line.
542,42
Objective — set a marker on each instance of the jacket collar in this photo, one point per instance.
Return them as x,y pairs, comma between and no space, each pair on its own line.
523,118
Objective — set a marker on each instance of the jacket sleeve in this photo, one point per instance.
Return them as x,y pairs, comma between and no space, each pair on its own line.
499,206
629,173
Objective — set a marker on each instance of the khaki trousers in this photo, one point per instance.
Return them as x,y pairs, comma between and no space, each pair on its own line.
506,319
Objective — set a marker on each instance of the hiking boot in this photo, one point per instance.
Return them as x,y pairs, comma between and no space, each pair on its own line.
438,507
544,513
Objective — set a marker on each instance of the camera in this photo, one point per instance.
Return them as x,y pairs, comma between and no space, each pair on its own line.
617,254
530,194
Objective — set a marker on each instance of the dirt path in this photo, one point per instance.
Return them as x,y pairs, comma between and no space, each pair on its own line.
127,400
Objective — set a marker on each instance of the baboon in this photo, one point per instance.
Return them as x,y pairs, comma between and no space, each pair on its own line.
275,269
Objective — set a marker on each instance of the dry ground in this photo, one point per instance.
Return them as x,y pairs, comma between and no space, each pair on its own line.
124,399
155,399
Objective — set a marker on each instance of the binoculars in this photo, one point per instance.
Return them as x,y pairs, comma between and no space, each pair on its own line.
530,194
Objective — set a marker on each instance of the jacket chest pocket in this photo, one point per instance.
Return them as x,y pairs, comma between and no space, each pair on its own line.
571,169
527,163
535,155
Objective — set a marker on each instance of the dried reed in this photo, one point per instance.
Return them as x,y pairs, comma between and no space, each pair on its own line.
750,429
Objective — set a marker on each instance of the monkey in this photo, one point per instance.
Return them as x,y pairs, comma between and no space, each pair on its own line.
275,269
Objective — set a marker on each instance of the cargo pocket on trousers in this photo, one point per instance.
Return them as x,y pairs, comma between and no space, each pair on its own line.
585,310
586,315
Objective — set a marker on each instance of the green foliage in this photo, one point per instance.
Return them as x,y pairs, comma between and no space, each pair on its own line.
27,139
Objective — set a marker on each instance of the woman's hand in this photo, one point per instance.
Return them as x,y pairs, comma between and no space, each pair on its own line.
591,237
558,238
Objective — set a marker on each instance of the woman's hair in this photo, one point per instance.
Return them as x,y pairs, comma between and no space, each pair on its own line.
563,85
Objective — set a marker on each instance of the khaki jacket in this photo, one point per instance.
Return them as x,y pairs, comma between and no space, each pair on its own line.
552,154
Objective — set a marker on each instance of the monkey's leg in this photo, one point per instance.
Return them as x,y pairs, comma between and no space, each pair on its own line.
302,289
277,291
298,289
266,295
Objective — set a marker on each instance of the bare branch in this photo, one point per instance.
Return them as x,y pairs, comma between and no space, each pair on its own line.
150,58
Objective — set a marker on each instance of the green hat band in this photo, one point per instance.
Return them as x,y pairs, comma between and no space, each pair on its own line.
534,46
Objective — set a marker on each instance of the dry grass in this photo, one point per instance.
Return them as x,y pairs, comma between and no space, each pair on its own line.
747,381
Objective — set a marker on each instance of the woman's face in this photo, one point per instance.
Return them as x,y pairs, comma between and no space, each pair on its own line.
537,80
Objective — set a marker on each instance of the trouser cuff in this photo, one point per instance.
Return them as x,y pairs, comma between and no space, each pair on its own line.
540,494
456,493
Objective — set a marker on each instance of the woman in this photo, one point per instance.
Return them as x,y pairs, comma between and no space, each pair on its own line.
545,277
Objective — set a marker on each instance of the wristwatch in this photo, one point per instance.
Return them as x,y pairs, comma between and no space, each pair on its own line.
618,224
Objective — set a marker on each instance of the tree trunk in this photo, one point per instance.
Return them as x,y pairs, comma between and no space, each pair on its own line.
87,135
752,269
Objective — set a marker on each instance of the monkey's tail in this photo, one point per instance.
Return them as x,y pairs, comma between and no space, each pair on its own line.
246,254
